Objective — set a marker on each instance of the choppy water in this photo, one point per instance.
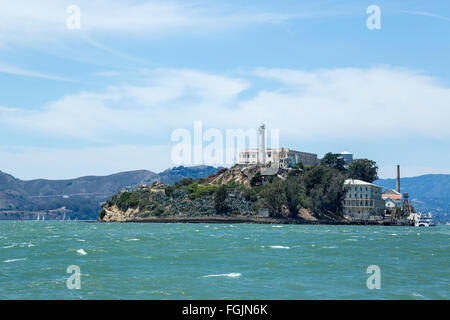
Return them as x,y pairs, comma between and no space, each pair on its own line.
209,261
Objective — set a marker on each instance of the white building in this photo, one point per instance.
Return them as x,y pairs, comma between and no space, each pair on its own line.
393,199
363,200
278,157
281,157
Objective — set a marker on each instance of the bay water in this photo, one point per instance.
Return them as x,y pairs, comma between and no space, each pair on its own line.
221,261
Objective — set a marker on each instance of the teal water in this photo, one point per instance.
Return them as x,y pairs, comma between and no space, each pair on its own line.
209,261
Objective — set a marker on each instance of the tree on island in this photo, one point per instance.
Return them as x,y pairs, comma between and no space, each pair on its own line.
296,169
324,190
363,169
319,189
335,161
294,194
220,198
274,197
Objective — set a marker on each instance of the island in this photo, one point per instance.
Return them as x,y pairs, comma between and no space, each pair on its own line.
241,194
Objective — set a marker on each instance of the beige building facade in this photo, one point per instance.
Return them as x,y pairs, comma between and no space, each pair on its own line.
363,200
282,157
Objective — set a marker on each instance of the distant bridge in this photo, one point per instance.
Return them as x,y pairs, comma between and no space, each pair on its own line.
65,196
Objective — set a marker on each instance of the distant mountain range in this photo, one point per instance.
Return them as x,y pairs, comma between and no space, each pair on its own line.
427,193
79,198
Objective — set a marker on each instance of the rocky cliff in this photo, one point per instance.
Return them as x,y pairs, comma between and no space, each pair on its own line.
194,198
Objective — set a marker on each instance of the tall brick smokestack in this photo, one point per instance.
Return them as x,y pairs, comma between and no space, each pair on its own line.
398,178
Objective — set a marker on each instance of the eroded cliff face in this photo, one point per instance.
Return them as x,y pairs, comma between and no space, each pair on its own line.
246,175
195,198
114,214
238,174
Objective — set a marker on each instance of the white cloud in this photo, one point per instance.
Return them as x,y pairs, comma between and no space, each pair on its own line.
425,14
339,103
349,102
10,69
168,98
29,21
377,104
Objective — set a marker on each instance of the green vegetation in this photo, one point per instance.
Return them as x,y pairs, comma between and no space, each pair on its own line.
296,169
335,161
128,200
363,169
249,194
220,198
273,197
318,189
199,190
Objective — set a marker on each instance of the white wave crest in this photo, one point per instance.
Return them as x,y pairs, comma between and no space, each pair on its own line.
229,275
14,260
81,251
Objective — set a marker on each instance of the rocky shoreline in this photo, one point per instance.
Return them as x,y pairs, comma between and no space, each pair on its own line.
256,220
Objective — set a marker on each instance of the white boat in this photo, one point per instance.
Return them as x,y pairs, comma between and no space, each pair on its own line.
424,220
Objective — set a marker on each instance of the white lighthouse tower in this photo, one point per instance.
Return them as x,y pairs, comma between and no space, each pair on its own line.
262,144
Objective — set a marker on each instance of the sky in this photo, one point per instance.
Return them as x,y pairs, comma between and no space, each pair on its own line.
106,95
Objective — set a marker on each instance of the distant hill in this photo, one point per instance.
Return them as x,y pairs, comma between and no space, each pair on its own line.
429,192
81,197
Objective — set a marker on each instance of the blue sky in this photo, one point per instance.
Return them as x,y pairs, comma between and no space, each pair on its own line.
107,97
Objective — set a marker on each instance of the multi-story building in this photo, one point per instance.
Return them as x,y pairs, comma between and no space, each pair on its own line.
282,157
363,200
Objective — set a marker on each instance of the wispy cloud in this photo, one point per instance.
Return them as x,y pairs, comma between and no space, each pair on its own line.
426,14
380,102
14,70
374,104
29,21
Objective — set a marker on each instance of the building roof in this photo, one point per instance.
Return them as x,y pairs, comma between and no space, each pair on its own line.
392,191
391,194
359,183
